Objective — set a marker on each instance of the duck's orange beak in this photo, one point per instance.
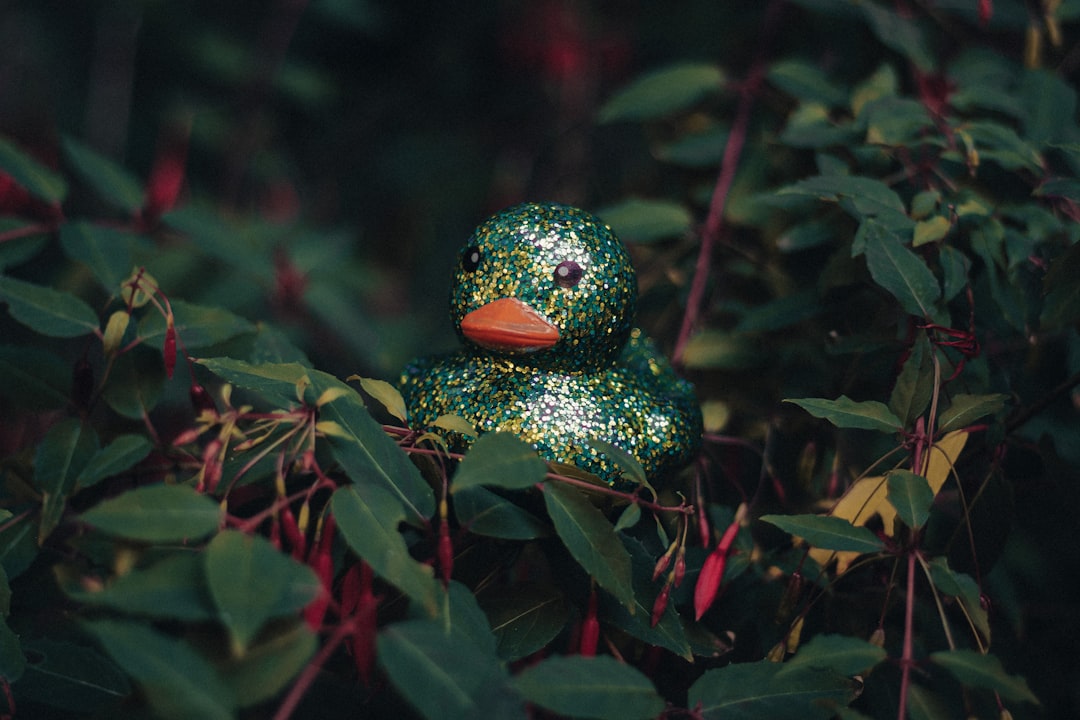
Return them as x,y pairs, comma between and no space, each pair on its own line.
508,324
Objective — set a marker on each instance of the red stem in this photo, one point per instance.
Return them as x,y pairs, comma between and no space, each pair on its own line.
714,222
307,677
908,658
27,230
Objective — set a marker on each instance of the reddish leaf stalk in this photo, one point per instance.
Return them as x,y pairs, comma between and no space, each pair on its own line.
446,552
169,348
307,677
908,658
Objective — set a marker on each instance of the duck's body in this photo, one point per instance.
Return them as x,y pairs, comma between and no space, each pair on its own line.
544,299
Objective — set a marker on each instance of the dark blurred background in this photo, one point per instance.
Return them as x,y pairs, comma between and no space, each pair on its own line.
399,125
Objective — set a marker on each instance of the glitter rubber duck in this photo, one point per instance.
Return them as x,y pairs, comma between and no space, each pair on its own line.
544,299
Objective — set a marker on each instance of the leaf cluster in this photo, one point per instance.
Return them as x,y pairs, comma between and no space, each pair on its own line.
874,263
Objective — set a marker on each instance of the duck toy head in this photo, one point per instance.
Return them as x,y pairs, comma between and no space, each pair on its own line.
544,300
548,286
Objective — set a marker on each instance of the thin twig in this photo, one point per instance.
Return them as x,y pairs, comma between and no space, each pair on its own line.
729,163
908,658
307,677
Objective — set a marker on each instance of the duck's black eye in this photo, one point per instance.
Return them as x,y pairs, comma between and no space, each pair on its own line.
472,258
567,274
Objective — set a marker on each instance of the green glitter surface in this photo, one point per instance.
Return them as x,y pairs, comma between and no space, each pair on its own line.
603,380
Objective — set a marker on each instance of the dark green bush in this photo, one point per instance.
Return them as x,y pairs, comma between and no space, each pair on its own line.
855,227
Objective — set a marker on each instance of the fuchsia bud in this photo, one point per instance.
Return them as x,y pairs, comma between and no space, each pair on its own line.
590,629
712,572
660,605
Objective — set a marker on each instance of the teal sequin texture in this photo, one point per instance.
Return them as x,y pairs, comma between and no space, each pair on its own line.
601,380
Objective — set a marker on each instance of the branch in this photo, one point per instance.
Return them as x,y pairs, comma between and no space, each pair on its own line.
714,222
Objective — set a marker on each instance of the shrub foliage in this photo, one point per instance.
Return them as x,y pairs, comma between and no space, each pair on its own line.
861,227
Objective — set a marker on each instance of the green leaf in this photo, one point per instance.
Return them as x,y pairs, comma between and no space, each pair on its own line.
172,588
444,675
591,540
460,611
924,203
973,668
1000,144
931,230
663,92
484,512
637,220
900,33
109,180
367,454
702,149
1061,306
900,271
805,235
35,178
18,545
50,312
964,588
914,385
368,517
267,667
196,326
67,447
455,423
955,266
136,382
105,250
123,453
806,81
896,122
780,313
499,460
827,532
911,496
847,413
843,654
251,582
629,517
590,687
12,659
1048,106
387,395
276,382
156,513
179,683
868,197
524,617
965,409
755,691
70,677
811,125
